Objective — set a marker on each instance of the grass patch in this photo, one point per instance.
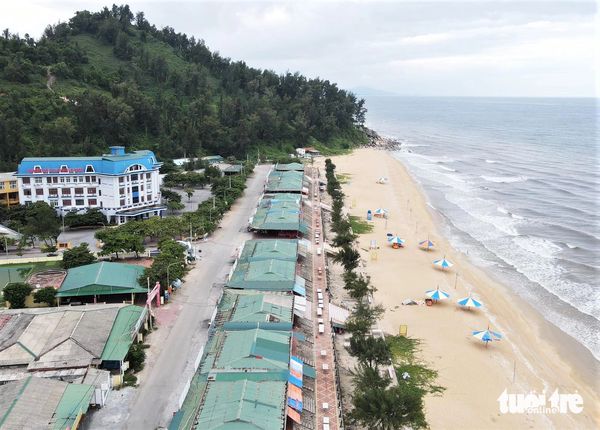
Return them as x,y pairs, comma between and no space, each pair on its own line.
359,225
343,177
404,357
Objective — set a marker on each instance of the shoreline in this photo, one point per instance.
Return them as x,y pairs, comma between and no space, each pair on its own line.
544,356
578,354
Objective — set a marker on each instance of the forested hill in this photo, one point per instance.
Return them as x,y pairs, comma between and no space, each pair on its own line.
113,78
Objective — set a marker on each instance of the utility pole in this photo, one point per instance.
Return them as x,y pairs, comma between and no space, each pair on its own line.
213,202
191,231
230,181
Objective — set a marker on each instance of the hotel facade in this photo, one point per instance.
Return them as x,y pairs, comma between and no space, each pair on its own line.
124,186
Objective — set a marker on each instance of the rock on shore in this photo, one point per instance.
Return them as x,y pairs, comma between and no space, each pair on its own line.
375,140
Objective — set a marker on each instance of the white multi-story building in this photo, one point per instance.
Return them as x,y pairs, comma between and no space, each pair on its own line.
123,186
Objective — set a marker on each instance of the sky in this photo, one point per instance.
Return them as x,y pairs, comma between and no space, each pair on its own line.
443,48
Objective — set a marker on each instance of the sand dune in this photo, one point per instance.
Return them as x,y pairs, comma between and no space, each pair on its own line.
540,356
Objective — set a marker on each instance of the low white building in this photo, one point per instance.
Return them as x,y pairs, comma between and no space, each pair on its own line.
123,186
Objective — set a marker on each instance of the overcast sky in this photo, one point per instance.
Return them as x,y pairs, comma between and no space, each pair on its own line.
500,48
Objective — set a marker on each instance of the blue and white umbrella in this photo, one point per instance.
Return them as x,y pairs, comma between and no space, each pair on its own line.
437,294
396,240
487,335
443,263
469,302
426,244
380,211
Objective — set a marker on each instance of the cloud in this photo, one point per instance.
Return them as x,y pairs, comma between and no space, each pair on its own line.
429,48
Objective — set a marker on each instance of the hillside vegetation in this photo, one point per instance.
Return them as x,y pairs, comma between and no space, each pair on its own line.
111,77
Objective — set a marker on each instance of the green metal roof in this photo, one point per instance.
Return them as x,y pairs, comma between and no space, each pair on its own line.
290,166
122,334
277,214
264,249
254,349
102,278
243,405
257,308
284,181
75,401
275,275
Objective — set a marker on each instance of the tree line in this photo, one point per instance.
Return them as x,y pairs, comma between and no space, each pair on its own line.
155,89
376,402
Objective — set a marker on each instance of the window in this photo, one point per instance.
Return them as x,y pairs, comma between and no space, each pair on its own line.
121,191
68,180
91,191
92,202
79,202
13,184
1,185
121,179
55,179
37,180
66,191
148,176
78,191
148,197
93,178
89,169
39,192
27,192
63,169
26,180
53,191
134,177
53,203
122,202
66,202
62,180
142,187
48,180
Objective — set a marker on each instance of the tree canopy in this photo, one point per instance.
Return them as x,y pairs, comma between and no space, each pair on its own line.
117,79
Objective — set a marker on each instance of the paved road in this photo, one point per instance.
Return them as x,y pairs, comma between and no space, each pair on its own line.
158,394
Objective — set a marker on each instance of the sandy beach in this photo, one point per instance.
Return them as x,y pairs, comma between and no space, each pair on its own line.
533,356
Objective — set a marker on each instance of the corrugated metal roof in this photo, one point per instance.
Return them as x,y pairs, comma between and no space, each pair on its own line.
123,331
281,249
243,405
41,403
285,181
258,308
275,275
290,166
254,349
102,278
75,402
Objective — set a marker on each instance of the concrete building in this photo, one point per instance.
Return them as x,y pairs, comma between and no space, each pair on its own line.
123,186
9,190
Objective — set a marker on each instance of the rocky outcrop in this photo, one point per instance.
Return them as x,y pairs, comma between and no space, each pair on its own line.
375,140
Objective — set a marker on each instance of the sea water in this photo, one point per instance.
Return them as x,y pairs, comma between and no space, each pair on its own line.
518,185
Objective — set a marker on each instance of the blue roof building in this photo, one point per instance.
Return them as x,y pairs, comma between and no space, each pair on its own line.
122,185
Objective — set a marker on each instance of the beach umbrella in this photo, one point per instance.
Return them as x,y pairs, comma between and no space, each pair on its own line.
469,302
396,240
443,263
487,335
426,244
437,294
380,211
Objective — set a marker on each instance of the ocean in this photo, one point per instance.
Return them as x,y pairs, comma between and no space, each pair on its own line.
517,183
